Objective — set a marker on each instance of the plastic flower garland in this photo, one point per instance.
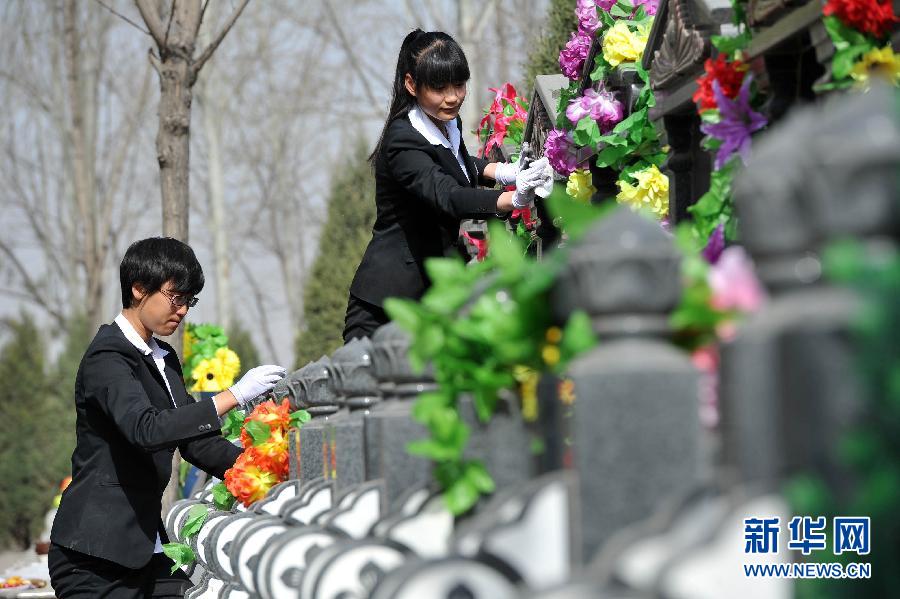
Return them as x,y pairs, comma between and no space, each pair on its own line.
504,119
579,185
594,118
207,360
651,192
860,31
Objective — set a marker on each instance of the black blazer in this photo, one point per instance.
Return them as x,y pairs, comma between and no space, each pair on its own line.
127,431
421,194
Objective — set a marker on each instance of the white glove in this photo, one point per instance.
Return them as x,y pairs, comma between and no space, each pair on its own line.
544,184
256,382
505,173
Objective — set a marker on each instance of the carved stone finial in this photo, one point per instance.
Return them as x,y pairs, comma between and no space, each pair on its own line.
354,375
313,389
625,273
685,42
395,375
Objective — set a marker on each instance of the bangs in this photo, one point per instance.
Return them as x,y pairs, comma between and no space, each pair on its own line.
441,65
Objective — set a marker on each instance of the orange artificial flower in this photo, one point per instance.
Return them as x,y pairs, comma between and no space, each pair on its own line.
248,481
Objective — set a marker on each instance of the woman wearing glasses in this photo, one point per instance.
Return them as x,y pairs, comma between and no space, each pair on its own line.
132,412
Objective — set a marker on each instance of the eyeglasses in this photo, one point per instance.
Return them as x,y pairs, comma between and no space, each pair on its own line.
180,300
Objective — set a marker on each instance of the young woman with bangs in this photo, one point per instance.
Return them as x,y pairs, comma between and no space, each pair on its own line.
425,180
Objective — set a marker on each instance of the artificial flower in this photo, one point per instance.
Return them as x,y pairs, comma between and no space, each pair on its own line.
504,96
559,148
187,344
588,19
272,454
621,44
275,415
579,185
650,6
572,57
733,282
737,123
247,481
706,360
211,375
875,17
231,364
715,245
729,74
601,106
650,193
880,62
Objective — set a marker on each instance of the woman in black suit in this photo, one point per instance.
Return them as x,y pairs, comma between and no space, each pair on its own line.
425,180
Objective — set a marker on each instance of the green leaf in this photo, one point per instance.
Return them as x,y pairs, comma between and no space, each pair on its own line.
222,497
506,249
196,517
478,475
232,423
258,431
179,553
431,449
299,418
844,59
578,335
577,217
731,44
610,155
586,132
427,403
461,496
628,122
445,270
621,11
406,313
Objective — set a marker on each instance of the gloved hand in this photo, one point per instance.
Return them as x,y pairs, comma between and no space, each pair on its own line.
505,173
256,382
530,179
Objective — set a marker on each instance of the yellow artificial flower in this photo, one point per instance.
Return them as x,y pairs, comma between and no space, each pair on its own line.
211,375
231,364
621,44
579,185
187,344
651,192
880,62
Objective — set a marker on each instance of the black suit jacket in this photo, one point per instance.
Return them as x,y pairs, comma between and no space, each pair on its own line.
421,194
127,431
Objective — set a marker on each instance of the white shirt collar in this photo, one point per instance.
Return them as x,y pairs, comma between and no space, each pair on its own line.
431,133
136,340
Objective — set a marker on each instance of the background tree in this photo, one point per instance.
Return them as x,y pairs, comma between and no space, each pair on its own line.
347,230
558,26
38,437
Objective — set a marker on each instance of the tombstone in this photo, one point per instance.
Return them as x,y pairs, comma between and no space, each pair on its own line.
789,383
635,425
357,391
319,400
389,425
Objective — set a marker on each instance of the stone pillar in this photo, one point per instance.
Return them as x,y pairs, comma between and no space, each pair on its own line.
389,425
357,390
635,426
315,394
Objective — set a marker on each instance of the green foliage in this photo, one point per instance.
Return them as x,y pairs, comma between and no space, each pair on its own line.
232,423
203,340
869,451
196,517
179,553
36,409
222,497
299,418
258,431
343,239
716,206
560,23
477,325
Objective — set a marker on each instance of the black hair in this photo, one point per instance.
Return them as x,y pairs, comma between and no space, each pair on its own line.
433,59
153,261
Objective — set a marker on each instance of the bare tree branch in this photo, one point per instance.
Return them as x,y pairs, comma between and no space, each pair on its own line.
208,52
169,24
151,18
123,17
31,286
348,50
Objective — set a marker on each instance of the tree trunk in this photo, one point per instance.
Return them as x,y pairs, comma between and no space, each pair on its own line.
173,145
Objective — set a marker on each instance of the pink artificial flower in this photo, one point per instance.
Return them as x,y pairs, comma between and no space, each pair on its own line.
572,57
706,360
588,20
560,152
650,6
602,106
733,282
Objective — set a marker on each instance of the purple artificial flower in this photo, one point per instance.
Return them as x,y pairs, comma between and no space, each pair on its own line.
560,152
605,4
602,106
588,21
650,6
738,121
716,244
572,57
